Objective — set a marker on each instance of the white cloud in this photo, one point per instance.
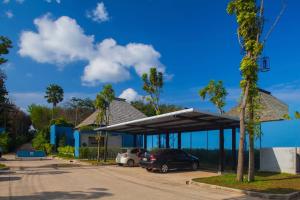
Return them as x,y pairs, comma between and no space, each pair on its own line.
99,14
5,1
9,14
63,41
50,1
287,92
7,66
57,42
20,1
130,95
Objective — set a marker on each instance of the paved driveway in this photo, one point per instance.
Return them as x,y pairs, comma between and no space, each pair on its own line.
54,179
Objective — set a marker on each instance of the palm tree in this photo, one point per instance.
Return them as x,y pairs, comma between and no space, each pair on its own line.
102,103
54,95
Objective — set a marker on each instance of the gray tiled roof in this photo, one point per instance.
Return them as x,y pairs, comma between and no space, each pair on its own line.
120,111
272,109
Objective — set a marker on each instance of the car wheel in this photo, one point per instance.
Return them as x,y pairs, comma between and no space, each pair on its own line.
149,169
194,166
130,163
164,168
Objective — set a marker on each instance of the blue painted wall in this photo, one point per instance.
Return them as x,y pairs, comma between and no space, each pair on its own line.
281,134
127,140
275,134
2,130
77,143
58,131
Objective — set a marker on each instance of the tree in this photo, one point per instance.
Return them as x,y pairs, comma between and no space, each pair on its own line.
77,109
153,84
250,23
54,95
5,45
148,109
102,104
297,115
40,116
216,93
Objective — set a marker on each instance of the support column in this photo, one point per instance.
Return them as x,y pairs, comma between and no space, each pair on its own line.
221,150
159,141
234,160
167,140
179,140
145,141
134,140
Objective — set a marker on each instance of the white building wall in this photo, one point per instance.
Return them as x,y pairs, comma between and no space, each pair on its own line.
279,159
114,141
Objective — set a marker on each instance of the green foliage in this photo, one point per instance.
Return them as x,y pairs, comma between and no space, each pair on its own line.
297,115
40,116
149,110
76,109
62,140
5,142
78,103
87,128
61,122
3,90
54,94
216,93
41,138
41,141
250,24
66,151
5,45
152,84
48,148
90,153
286,117
102,103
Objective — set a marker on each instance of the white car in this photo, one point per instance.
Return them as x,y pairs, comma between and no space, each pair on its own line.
130,157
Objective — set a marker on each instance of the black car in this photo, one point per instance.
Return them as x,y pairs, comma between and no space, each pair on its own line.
168,159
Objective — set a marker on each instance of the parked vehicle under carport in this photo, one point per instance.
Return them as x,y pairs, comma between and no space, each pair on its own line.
169,159
130,157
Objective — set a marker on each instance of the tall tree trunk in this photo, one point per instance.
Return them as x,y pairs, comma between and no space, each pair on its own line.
251,157
240,167
98,147
251,142
105,151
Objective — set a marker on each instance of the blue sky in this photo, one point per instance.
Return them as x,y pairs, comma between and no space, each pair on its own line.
81,45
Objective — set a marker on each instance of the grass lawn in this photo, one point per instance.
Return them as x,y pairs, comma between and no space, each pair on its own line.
276,183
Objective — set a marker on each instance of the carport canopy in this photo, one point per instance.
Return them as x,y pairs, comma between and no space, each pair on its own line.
179,121
185,120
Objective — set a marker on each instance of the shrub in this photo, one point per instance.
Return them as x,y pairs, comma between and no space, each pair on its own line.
48,148
90,153
40,140
66,151
5,142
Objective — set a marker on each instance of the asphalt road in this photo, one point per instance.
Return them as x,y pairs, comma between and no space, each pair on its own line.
55,179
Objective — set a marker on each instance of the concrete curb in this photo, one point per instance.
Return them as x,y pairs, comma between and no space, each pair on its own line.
290,196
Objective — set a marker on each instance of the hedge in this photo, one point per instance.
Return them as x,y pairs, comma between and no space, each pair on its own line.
66,151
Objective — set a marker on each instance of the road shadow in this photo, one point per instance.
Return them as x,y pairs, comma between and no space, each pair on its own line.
9,178
44,172
95,193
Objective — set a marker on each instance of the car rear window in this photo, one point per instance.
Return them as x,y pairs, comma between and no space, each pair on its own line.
123,151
